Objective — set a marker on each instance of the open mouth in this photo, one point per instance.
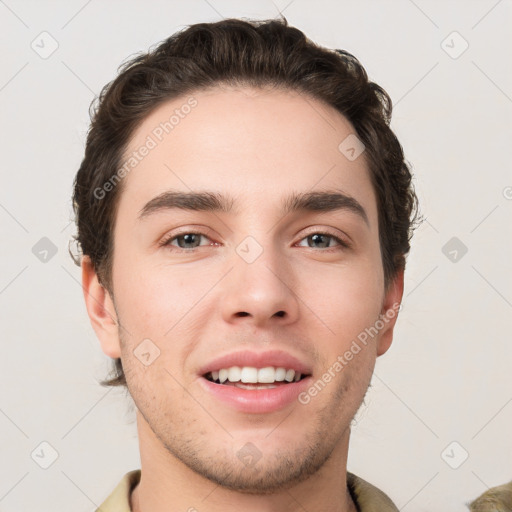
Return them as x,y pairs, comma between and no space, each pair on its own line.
248,377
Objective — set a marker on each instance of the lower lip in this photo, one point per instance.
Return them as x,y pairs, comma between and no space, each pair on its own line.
256,401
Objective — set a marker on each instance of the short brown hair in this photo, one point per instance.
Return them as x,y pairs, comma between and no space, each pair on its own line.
239,53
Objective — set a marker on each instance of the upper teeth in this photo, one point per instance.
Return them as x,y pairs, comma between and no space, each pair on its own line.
249,374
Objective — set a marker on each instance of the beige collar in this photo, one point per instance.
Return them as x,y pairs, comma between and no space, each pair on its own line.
366,496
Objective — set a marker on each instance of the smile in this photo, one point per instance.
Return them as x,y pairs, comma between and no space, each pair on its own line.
249,377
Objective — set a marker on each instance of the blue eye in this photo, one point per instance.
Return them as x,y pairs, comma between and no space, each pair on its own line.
321,237
189,241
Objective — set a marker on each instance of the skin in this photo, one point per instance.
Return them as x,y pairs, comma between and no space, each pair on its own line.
258,146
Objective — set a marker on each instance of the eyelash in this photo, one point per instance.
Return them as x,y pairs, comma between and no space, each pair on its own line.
166,242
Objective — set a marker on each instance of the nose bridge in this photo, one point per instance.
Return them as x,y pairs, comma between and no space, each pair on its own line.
261,283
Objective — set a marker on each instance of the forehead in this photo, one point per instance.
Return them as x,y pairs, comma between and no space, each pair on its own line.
258,143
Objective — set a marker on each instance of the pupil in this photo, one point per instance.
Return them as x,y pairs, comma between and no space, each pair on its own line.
188,238
316,237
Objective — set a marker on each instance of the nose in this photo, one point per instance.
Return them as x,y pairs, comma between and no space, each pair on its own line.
260,292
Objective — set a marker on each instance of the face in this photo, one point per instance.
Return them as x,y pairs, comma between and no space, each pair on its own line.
249,279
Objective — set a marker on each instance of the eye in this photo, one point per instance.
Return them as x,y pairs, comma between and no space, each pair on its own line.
187,240
323,239
190,240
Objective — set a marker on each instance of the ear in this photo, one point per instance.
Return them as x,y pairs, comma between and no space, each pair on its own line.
100,309
389,313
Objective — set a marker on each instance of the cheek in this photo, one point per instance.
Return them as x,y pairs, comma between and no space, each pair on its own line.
153,298
348,301
159,304
346,308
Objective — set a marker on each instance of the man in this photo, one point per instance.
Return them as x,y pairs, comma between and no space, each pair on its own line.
244,212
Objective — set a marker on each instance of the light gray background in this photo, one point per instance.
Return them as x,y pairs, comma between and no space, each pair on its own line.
447,377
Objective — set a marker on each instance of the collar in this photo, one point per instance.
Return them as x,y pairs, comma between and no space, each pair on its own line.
367,497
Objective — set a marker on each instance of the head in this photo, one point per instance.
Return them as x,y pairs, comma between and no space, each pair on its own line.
269,145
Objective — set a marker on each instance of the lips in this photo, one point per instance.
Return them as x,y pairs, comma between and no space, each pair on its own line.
256,382
275,359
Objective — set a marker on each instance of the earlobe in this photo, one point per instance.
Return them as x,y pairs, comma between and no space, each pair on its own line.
100,309
389,313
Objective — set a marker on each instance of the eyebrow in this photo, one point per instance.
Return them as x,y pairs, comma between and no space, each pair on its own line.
317,201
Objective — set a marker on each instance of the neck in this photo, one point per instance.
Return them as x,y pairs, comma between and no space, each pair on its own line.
166,484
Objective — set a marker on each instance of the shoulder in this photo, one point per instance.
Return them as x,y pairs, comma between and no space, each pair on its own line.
119,498
368,497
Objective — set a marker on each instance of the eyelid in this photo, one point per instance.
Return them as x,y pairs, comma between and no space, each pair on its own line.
207,233
343,240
